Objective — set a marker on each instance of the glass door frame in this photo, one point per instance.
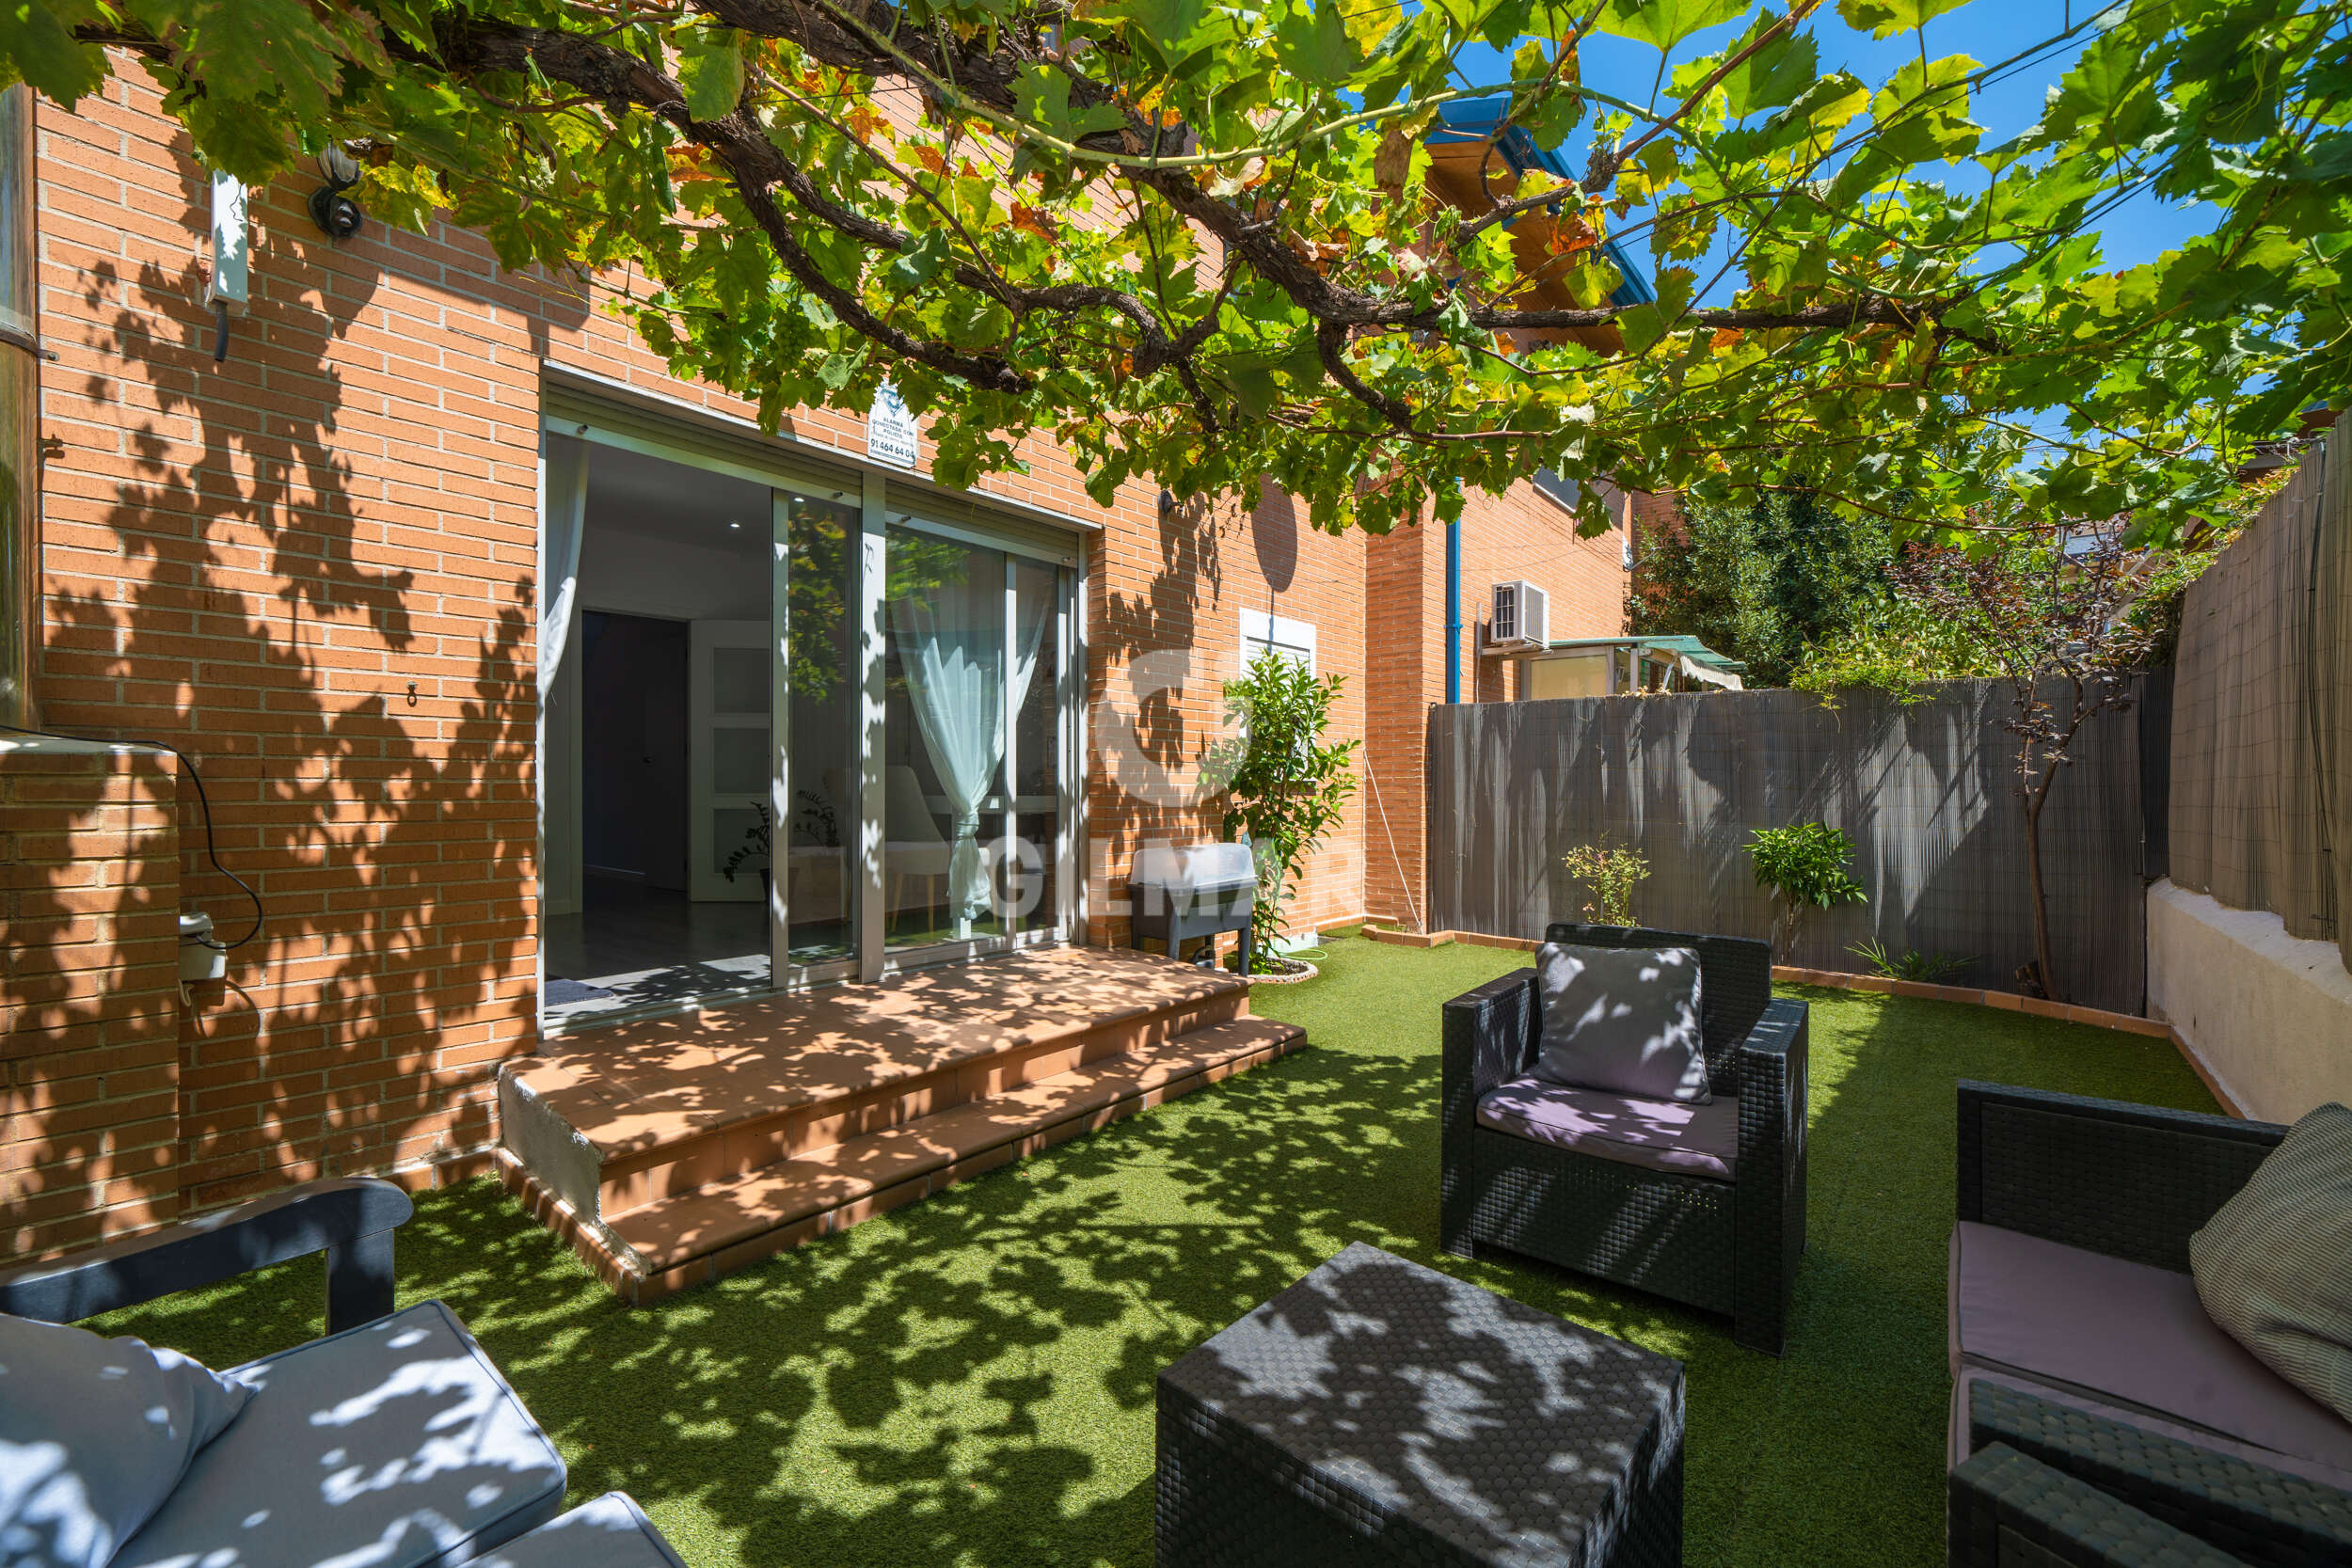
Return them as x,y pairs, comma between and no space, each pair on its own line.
873,495
1061,641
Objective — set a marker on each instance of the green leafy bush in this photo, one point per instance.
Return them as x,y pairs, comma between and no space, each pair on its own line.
1612,875
1288,786
1803,866
1898,645
1759,579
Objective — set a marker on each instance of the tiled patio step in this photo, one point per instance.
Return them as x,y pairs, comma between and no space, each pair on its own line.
691,1237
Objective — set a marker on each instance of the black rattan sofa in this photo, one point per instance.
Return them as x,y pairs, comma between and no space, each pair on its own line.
2074,1393
1727,1243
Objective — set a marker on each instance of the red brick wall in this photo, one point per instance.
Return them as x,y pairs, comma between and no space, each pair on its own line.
1164,635
1523,535
1520,535
313,568
310,567
90,1002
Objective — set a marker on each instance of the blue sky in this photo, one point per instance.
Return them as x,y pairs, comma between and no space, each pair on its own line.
1986,30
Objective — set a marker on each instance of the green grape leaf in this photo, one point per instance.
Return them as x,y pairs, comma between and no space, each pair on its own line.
1884,19
915,267
710,70
1313,43
1663,24
38,46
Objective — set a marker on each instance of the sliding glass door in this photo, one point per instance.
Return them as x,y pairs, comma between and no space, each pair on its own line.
820,800
975,679
862,721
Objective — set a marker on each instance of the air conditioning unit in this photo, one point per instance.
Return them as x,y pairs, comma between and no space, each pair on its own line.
1519,618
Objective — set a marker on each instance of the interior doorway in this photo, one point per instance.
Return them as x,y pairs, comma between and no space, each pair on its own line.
632,762
641,933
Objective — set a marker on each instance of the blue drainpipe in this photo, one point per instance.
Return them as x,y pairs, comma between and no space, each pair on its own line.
1453,603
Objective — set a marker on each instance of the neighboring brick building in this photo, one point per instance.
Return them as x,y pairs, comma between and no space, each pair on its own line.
315,568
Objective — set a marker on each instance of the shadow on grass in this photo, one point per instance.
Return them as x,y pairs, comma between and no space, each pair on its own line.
970,1380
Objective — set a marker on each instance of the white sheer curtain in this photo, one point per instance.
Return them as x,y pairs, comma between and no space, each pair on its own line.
561,515
951,645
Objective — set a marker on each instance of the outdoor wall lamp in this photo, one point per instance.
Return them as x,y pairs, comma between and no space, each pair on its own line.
338,216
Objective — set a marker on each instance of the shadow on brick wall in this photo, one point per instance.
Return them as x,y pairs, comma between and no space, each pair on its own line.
284,570
1153,699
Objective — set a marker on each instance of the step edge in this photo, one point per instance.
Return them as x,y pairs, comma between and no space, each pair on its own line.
1286,1038
625,1161
582,1232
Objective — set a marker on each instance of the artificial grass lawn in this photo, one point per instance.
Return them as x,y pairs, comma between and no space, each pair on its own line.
969,1380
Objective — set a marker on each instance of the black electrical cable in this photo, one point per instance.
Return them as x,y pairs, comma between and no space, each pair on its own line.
211,852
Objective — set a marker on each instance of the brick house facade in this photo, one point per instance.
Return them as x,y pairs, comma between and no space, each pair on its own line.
314,567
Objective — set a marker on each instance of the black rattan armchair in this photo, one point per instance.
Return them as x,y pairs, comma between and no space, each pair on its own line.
2135,1182
1728,1246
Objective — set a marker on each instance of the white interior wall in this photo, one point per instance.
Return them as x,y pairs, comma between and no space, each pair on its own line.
634,574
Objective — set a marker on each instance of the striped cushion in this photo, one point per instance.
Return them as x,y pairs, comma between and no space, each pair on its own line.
2274,1266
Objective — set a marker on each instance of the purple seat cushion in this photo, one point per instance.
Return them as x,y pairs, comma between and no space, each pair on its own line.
1662,1134
2123,1336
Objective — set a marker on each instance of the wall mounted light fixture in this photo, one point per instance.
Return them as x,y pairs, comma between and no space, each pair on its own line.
338,216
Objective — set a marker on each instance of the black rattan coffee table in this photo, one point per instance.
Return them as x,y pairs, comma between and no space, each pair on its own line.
1380,1412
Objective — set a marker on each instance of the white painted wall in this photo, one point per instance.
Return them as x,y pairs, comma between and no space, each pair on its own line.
630,573
2268,1014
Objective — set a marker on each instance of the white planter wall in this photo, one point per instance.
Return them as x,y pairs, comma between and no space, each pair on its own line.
2269,1015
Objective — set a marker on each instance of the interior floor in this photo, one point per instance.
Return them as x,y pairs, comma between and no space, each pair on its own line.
633,944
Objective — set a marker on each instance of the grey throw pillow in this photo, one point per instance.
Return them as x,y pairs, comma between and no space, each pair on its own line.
1622,1019
2274,1265
94,1434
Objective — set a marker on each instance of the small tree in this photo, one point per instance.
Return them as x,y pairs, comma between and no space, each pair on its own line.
1287,785
2050,612
1761,580
1612,875
1804,865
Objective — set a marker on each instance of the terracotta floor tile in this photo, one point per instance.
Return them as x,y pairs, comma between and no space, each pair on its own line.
637,1089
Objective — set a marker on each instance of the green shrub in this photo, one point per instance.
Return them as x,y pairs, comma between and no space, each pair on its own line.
1288,787
1611,874
1803,866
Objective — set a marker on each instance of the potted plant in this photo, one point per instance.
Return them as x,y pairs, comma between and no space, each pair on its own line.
758,841
1287,785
